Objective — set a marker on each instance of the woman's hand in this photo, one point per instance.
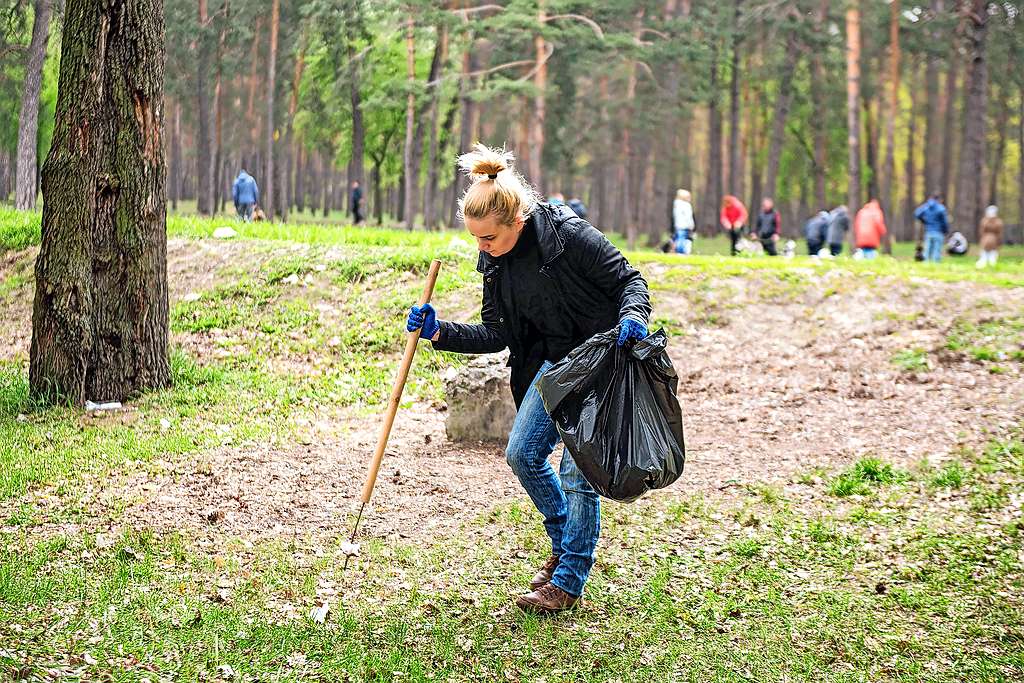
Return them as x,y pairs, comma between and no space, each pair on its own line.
424,319
631,329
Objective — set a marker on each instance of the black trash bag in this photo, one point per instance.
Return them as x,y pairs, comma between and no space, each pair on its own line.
616,410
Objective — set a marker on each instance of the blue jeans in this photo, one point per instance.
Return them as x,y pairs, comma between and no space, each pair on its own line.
869,252
570,506
684,241
933,242
245,211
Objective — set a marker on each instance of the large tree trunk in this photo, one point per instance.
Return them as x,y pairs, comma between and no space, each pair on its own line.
218,108
204,147
972,152
468,118
287,189
28,123
782,105
100,321
853,105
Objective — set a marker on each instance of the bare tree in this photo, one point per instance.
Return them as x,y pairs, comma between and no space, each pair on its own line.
28,122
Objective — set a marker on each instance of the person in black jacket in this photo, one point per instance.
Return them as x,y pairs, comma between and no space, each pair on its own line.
551,280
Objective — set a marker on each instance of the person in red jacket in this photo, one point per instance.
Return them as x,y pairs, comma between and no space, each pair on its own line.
733,217
869,229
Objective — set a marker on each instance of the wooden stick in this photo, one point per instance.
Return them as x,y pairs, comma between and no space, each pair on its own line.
396,392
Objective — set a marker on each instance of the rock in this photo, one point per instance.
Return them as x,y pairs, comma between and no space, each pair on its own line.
480,406
224,233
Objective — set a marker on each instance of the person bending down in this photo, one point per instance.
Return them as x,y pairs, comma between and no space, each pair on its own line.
551,280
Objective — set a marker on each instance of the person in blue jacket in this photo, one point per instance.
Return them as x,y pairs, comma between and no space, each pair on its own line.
551,281
246,194
936,224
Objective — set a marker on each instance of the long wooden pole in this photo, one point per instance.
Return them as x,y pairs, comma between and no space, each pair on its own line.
396,398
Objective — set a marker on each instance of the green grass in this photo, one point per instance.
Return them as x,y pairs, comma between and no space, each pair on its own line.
911,360
804,599
988,341
863,477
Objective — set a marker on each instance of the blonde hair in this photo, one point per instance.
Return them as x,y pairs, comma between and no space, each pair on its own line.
683,194
496,189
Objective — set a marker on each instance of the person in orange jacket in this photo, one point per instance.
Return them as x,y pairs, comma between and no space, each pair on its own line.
869,229
733,217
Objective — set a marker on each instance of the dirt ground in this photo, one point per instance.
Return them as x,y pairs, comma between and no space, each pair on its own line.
771,391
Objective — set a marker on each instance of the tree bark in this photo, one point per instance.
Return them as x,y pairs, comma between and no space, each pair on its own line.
853,105
910,177
174,175
468,119
949,111
28,121
889,165
1002,122
972,151
100,317
205,143
538,114
218,108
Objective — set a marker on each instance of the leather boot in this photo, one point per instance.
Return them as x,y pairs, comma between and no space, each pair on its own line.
546,600
545,573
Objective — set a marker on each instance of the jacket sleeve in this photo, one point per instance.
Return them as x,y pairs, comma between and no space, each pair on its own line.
919,212
591,254
486,337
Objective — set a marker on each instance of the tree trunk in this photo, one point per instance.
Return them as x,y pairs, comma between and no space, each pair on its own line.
28,122
467,119
268,180
713,181
871,147
889,165
430,190
100,319
287,189
949,114
933,111
356,171
782,104
204,146
972,151
1002,122
174,174
819,123
537,113
910,177
301,163
218,108
853,105
734,107
1020,158
409,187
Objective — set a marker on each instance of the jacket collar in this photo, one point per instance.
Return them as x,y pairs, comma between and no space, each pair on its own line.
547,221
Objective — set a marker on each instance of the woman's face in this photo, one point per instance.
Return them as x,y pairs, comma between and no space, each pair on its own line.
492,237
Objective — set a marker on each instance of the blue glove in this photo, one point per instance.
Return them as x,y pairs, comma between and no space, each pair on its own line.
424,319
631,329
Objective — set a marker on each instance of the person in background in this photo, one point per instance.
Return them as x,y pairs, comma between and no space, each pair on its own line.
838,226
991,235
578,207
357,203
768,228
682,222
936,224
816,231
733,217
869,229
245,193
556,199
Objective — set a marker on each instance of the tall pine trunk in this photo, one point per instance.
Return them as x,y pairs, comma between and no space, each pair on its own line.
205,143
889,165
933,110
949,114
819,123
713,181
28,122
734,107
536,120
968,206
268,179
853,106
100,318
910,177
782,105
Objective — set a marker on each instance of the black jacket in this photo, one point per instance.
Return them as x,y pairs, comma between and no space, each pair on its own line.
596,286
